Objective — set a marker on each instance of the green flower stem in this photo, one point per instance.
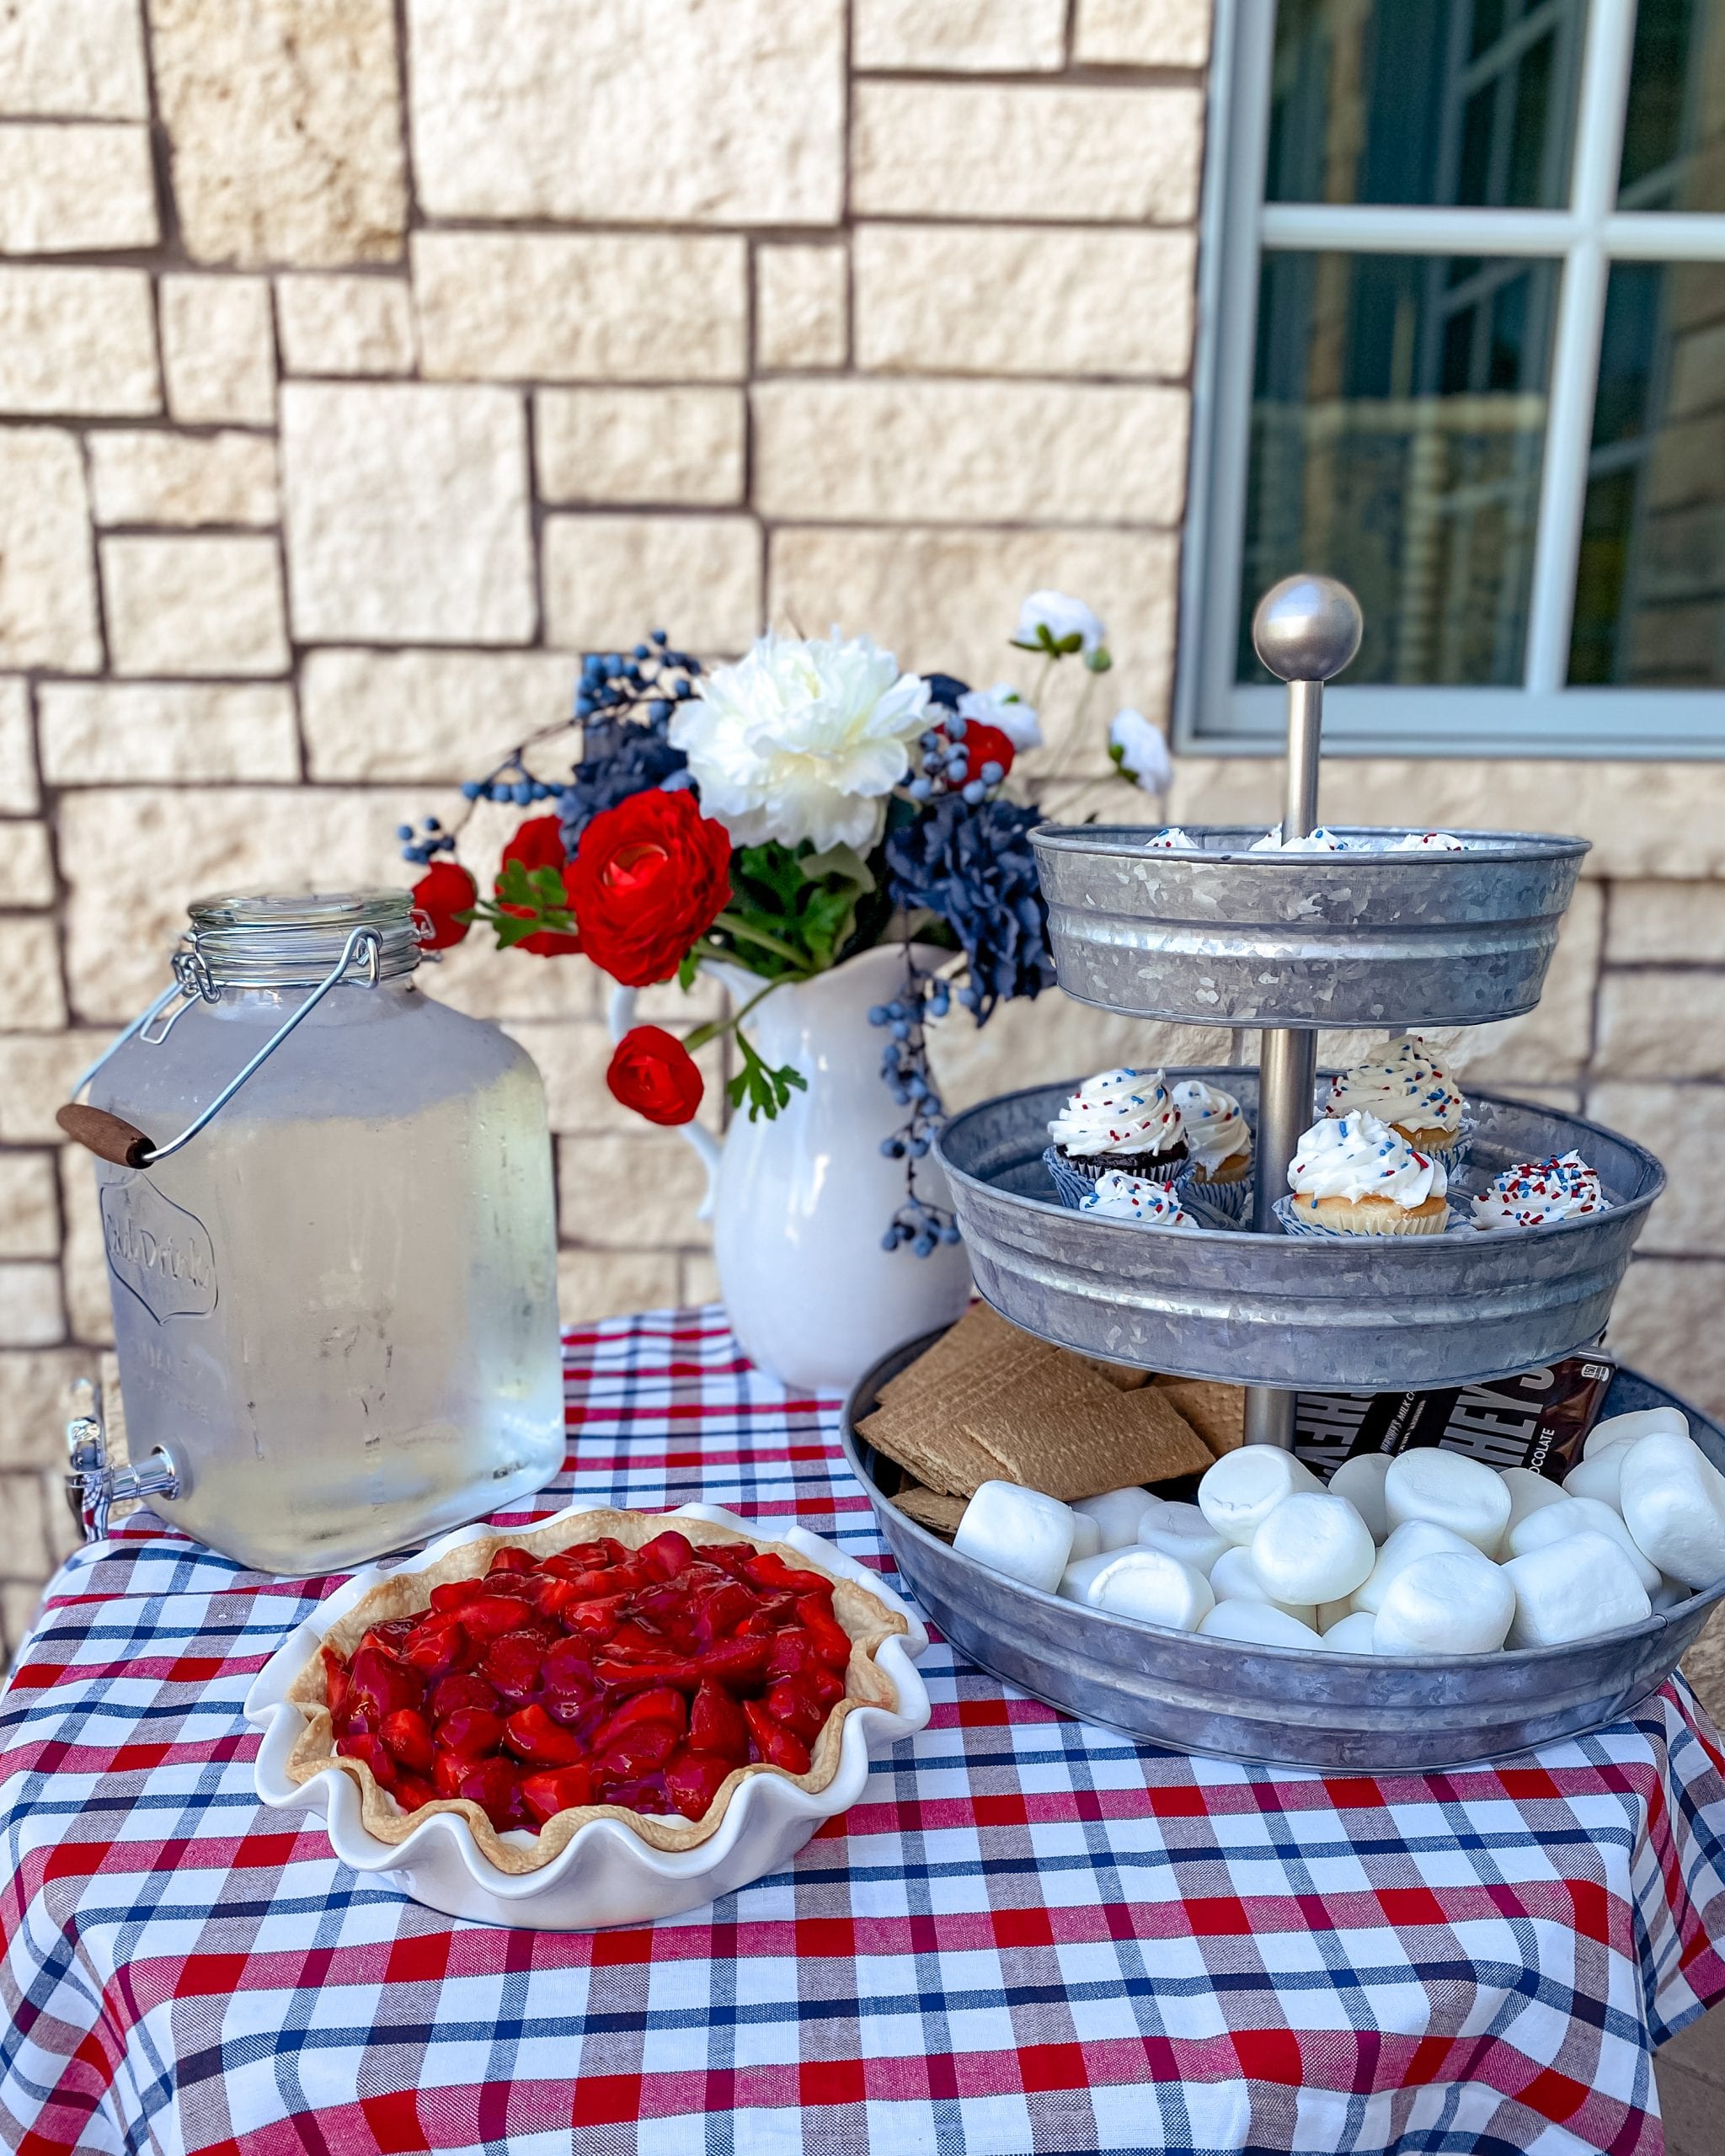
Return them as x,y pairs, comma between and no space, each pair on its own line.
734,925
699,1036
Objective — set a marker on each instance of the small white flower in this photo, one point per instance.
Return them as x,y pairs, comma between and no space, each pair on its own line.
1003,706
802,739
1063,619
1140,750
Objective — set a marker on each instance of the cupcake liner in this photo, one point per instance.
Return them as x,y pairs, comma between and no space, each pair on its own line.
1074,1183
1293,1223
1454,1155
1232,1200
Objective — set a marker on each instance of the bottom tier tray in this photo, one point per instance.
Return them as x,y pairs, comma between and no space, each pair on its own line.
1277,1705
1353,1314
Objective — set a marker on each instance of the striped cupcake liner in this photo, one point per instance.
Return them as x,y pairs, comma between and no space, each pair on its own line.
1294,1224
1075,1184
1231,1201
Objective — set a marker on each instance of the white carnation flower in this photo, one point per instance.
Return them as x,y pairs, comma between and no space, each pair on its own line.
1140,750
1003,706
1062,617
802,740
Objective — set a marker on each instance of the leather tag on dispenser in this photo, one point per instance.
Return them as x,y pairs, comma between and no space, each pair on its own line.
1539,1418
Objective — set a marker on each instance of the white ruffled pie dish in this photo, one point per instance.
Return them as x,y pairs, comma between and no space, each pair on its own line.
607,1874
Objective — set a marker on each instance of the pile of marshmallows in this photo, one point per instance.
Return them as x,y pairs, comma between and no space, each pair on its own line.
1425,1552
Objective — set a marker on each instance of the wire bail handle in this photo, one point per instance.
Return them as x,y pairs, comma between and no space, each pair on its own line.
111,1138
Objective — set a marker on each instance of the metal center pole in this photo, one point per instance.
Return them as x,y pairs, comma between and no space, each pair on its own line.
1306,629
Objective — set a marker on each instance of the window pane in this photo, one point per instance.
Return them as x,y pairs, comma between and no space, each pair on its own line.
1398,424
1424,101
1650,586
1673,134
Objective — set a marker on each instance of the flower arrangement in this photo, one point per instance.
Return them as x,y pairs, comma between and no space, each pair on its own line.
783,813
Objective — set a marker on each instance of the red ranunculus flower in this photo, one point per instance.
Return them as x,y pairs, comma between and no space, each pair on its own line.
445,890
652,875
539,844
654,1074
986,745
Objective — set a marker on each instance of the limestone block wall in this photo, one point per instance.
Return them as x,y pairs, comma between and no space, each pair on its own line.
360,363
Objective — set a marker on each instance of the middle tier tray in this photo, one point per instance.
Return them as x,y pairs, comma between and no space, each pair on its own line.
1361,1314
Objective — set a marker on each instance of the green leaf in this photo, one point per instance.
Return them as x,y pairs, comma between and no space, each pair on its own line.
766,1091
687,970
793,912
1099,660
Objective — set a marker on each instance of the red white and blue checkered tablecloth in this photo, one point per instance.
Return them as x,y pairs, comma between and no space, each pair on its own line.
1031,1935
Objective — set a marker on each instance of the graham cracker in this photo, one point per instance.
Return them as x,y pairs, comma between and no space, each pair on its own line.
1216,1411
934,1509
926,1445
1117,1374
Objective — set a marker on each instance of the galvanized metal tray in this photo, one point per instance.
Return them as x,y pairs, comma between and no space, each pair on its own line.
1226,936
1364,1314
1278,1705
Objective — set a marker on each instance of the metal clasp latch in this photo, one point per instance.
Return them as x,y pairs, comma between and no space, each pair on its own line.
93,1487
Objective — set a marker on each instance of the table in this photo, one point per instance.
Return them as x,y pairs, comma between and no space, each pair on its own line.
1030,1936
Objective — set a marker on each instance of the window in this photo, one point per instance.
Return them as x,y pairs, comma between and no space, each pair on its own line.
1465,348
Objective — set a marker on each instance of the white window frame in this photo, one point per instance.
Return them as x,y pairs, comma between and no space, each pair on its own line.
1217,716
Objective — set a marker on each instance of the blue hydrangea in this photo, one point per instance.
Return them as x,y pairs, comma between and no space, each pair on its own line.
971,864
620,757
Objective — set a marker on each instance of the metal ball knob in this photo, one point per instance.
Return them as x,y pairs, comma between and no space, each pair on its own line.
1307,628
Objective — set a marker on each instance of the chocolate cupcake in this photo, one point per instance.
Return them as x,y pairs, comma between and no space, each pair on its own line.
1123,1119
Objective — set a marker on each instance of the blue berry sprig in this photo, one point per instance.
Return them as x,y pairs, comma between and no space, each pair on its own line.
904,1066
422,845
946,767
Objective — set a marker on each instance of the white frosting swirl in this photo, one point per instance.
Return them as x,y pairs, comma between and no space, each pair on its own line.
1173,840
1118,1112
1356,1156
1406,1088
1534,1192
1322,840
1214,1126
1121,1197
1427,842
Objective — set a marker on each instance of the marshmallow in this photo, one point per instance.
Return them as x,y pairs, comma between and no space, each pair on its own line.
1451,1602
1600,1475
1117,1513
1018,1532
1643,1422
1184,1533
1259,1623
1674,1504
1155,1588
1244,1487
1075,1580
1528,1492
1312,1548
1360,1480
1234,1579
1464,1495
1573,1590
1087,1535
1352,1634
1580,1516
1419,1538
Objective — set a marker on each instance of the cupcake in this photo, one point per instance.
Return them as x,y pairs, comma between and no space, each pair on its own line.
1323,840
1427,842
1535,1193
1116,1196
1173,841
1408,1091
1215,1133
1352,1174
1124,1119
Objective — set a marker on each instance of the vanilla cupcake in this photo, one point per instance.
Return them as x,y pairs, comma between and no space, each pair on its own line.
1534,1193
1408,1091
1215,1133
1352,1174
1116,1196
1124,1119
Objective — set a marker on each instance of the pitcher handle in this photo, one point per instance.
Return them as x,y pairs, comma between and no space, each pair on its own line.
621,1017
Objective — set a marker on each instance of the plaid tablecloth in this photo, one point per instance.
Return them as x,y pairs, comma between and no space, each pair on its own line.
1030,1936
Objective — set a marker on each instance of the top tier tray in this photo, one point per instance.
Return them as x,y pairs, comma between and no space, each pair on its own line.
1226,936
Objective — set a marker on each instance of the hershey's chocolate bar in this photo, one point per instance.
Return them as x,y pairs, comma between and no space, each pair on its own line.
1537,1419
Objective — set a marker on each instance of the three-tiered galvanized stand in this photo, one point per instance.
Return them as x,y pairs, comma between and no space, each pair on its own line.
1288,943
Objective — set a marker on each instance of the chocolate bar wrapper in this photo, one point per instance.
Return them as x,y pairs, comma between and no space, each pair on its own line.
1538,1419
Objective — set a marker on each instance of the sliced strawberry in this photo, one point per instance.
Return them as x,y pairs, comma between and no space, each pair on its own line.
568,1670
447,1772
467,1688
793,1706
491,1785
778,1747
374,1753
720,1610
335,1684
439,1648
637,1751
409,1735
693,1778
732,1557
381,1684
644,1792
586,1557
471,1732
668,1554
410,1792
556,1789
515,1665
831,1641
390,1636
766,1568
531,1735
663,1705
494,1614
827,1685
453,1594
597,1619
715,1724
513,1561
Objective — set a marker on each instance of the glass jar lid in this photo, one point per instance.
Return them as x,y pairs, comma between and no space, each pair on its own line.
289,941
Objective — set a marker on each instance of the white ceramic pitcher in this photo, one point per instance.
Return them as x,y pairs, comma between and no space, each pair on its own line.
799,1204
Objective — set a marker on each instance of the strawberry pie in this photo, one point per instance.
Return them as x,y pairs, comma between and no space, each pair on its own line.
533,1683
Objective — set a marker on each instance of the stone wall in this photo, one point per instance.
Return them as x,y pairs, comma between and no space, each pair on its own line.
360,364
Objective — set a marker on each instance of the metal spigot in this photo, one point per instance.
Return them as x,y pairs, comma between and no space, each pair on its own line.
91,1486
